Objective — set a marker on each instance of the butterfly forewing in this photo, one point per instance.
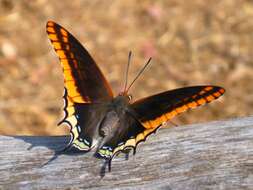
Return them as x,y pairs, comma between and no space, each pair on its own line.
82,77
155,110
83,80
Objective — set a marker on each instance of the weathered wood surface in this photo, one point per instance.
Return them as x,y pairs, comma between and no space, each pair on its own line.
216,155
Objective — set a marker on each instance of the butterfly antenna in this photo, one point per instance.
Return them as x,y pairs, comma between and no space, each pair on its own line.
127,69
141,71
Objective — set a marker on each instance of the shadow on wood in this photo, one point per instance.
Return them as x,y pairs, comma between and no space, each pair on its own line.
217,155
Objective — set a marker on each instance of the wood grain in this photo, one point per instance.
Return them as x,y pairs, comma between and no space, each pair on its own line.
216,155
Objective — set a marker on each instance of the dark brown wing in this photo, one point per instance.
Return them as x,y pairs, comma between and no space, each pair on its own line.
82,77
87,119
83,80
157,109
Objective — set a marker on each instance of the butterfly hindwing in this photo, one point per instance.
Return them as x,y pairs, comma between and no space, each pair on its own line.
86,130
83,80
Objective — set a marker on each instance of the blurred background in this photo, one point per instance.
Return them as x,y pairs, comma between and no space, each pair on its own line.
191,42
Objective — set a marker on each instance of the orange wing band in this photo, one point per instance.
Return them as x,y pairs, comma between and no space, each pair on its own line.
199,99
59,39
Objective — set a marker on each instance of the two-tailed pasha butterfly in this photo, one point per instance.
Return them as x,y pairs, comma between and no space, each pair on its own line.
113,124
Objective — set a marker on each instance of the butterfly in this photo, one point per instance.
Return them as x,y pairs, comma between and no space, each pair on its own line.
107,123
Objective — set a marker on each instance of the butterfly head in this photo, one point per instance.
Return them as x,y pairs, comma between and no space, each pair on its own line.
128,97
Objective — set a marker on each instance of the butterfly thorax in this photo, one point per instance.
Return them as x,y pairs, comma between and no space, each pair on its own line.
111,124
116,110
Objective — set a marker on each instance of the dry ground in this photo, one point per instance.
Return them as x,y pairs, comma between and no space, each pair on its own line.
191,42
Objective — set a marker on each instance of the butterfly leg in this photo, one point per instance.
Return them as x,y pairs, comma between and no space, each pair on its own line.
126,152
134,150
105,164
109,162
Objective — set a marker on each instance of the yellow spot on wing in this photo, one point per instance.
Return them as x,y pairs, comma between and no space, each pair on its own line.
210,98
130,142
169,115
70,110
192,104
57,45
181,109
75,132
53,37
140,137
72,89
80,145
164,119
70,101
65,64
149,124
68,75
72,120
154,122
79,99
148,131
173,113
61,54
51,29
201,101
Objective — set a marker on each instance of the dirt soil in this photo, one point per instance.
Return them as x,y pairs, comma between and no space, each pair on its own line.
191,42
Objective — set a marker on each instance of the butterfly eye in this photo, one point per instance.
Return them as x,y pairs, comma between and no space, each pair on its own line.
130,97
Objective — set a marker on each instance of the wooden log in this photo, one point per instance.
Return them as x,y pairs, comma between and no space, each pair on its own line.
216,155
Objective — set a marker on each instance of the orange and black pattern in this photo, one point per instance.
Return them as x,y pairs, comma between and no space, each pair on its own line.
155,110
88,100
83,80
